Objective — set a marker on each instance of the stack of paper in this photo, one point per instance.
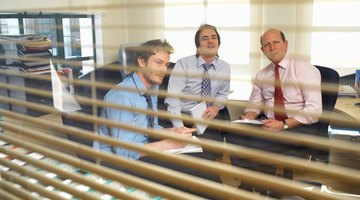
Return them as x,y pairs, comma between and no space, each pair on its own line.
197,112
249,121
190,148
62,98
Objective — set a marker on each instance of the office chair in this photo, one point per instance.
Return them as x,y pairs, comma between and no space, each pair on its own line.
329,94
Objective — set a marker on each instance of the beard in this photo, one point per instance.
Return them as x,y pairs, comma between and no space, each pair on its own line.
155,79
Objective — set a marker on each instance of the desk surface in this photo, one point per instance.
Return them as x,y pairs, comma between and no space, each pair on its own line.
346,106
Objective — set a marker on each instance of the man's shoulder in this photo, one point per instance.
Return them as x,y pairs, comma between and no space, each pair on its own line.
266,68
190,58
299,61
222,62
186,62
116,92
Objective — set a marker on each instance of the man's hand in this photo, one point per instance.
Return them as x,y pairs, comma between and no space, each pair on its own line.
273,125
249,115
183,131
211,112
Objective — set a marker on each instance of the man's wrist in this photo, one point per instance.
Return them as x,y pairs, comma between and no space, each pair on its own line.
285,125
218,105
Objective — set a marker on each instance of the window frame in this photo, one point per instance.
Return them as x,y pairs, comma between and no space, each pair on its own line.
59,31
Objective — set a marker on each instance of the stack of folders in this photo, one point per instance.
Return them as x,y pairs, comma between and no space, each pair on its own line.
347,91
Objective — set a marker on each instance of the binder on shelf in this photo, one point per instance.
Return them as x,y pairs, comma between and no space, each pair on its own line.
26,51
25,54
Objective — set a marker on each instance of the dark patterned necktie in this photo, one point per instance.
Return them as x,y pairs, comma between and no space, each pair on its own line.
279,105
150,118
206,83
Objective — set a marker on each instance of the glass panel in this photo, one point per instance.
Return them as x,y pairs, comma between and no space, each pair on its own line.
334,49
234,47
42,26
9,26
77,37
184,13
183,43
228,13
222,14
339,13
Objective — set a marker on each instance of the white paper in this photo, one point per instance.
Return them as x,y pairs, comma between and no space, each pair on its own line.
62,99
197,112
324,188
189,148
249,121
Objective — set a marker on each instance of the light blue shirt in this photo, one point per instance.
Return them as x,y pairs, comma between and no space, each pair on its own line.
188,84
133,100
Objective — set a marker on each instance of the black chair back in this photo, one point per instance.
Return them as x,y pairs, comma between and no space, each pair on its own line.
329,91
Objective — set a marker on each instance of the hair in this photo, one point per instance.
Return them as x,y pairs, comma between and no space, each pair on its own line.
151,47
200,29
281,34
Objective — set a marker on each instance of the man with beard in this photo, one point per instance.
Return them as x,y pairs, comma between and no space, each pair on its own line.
153,59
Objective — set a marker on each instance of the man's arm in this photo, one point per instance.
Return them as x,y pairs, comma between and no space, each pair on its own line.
275,125
310,80
176,86
167,144
223,89
256,100
124,117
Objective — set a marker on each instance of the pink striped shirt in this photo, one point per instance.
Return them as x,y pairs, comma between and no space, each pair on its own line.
301,85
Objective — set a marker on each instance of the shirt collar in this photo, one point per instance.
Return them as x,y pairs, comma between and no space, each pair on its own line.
200,62
140,85
283,63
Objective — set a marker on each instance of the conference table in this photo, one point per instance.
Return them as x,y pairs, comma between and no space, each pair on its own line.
346,106
346,113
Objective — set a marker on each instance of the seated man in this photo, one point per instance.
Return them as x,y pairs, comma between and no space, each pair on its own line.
214,85
153,60
287,88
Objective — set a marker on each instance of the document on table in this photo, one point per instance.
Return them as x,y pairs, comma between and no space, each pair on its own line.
249,121
189,148
197,112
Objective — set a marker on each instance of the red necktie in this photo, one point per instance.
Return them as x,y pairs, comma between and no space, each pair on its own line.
279,106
